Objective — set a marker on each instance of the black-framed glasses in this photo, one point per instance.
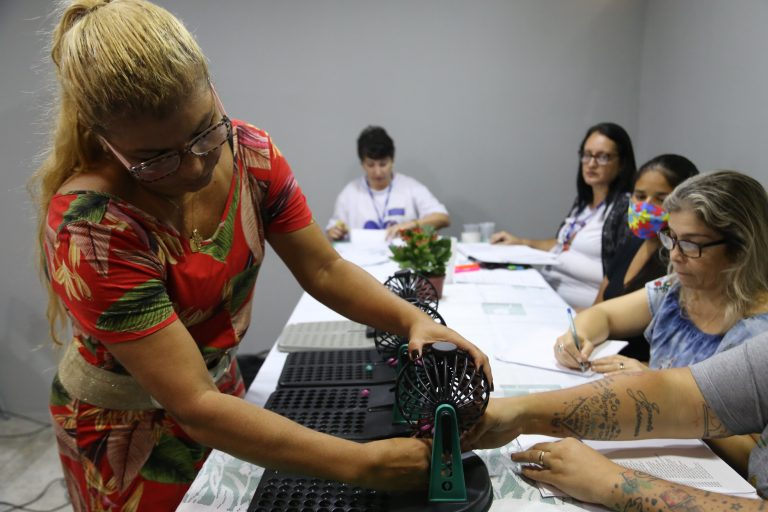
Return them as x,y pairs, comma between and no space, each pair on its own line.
689,249
600,158
168,163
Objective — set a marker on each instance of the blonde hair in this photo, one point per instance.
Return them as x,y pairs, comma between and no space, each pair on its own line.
736,206
114,59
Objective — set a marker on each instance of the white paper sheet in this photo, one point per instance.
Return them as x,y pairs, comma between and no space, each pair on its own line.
527,278
518,254
532,345
368,237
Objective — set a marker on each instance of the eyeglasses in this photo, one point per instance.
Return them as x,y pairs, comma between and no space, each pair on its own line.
689,249
600,158
168,163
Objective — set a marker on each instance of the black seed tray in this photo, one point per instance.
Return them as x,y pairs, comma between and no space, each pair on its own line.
335,368
358,413
283,492
332,357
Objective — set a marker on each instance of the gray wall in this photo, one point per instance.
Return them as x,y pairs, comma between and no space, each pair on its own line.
487,102
704,83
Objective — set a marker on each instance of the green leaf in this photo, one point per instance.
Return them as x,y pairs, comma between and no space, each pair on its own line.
422,251
221,244
171,462
59,395
242,285
140,308
88,207
89,345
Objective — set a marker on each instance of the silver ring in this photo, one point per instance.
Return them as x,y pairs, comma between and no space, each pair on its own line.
560,347
621,365
541,458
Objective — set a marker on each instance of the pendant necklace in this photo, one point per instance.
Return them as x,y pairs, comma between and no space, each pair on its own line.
195,239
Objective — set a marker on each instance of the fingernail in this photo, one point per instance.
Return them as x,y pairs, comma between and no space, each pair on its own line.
414,354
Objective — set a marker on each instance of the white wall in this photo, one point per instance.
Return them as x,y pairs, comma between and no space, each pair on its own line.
704,83
487,102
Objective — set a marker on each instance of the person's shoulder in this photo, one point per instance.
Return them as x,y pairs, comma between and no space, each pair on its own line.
661,285
404,178
247,130
404,181
77,206
254,146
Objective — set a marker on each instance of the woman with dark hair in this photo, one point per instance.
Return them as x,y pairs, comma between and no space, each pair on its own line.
716,293
591,233
638,260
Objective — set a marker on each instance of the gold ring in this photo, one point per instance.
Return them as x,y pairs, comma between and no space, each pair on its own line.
621,365
541,458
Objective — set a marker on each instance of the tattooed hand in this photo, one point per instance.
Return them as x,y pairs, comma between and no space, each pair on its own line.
565,466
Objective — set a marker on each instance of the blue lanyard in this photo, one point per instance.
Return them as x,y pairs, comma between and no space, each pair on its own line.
573,229
382,215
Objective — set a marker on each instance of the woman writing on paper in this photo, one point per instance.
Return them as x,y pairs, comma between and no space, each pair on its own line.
724,395
716,294
589,235
715,297
154,210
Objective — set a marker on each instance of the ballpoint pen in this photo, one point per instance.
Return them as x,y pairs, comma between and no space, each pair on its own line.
582,365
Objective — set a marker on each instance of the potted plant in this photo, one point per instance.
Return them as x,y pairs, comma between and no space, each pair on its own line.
424,252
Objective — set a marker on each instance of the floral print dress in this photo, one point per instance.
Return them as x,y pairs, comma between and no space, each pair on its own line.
122,275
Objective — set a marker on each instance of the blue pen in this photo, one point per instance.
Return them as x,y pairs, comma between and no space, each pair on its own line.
582,366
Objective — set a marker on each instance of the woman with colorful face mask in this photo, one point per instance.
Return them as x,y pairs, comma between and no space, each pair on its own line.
639,259
714,298
716,292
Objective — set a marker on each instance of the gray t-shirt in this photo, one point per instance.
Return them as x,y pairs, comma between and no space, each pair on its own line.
735,386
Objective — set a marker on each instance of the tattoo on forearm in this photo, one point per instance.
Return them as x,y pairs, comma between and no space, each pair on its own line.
641,492
592,417
633,505
679,499
643,406
713,427
635,482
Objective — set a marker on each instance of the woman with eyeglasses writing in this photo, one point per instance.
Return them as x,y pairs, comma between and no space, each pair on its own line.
596,225
716,293
715,296
154,210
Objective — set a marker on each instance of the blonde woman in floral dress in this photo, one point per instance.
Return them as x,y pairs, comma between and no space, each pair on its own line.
155,207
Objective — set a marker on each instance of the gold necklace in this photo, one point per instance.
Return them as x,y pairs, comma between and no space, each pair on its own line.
195,239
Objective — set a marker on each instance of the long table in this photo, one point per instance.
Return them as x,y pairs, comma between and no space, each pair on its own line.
488,307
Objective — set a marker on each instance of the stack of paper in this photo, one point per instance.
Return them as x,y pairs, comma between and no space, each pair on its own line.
512,254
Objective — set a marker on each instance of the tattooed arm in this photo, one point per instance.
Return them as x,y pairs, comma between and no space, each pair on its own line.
659,404
619,488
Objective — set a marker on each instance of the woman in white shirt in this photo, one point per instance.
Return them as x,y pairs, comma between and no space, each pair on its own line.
596,223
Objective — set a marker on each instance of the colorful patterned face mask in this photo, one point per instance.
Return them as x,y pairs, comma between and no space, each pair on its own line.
646,220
